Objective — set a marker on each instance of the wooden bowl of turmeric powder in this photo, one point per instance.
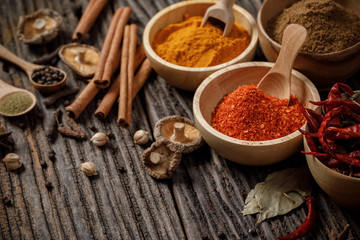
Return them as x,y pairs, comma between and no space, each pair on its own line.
184,53
227,99
332,51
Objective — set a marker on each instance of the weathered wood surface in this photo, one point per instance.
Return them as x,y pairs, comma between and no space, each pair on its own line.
204,198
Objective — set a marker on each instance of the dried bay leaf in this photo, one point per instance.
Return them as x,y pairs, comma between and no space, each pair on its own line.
281,192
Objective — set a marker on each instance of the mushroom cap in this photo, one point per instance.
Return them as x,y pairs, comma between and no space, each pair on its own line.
68,54
164,130
166,166
39,27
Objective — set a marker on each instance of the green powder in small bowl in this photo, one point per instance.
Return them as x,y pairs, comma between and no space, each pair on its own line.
15,103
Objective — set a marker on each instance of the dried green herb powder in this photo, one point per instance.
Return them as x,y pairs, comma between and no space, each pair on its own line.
331,27
15,103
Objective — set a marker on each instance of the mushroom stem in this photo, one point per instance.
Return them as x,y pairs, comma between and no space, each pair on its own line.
155,157
80,58
39,23
179,133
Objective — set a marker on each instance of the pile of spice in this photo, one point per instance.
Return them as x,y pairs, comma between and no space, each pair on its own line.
331,27
15,103
191,45
47,76
248,114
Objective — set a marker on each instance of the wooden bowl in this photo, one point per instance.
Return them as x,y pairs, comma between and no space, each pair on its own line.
255,153
345,190
189,78
323,69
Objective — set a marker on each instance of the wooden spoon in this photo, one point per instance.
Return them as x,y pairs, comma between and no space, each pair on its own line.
7,89
277,82
222,11
29,69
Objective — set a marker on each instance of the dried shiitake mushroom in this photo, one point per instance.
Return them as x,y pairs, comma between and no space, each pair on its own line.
81,58
159,161
39,27
180,134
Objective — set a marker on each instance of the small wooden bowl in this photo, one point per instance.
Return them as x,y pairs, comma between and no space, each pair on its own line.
323,69
189,78
254,153
345,190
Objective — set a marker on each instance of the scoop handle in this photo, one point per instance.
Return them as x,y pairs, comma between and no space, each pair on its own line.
293,39
228,3
11,57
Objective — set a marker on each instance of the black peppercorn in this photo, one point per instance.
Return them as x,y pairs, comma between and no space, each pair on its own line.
43,164
48,185
52,156
8,202
47,76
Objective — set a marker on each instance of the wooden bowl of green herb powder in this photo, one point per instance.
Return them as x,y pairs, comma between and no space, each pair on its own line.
15,101
332,51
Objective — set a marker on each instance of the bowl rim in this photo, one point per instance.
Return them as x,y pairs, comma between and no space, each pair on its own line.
237,8
344,52
200,118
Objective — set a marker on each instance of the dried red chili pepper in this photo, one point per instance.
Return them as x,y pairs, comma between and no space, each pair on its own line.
335,92
347,132
309,222
339,131
313,118
248,114
354,154
331,104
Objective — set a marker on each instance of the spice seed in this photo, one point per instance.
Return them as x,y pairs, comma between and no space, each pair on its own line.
52,155
47,76
8,202
49,185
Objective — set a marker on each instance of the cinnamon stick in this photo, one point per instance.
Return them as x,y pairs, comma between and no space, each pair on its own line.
141,76
88,18
107,45
109,67
91,89
75,109
130,72
112,95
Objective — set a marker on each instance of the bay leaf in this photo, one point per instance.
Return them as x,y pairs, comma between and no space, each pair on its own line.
281,192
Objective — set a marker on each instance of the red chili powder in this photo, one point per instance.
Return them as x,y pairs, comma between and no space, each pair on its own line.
248,114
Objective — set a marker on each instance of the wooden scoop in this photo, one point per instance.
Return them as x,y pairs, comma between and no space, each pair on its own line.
222,11
29,69
277,82
7,89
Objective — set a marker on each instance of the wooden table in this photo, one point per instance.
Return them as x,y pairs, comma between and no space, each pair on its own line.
203,199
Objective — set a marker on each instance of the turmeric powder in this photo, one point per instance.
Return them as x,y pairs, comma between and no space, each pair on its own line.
191,45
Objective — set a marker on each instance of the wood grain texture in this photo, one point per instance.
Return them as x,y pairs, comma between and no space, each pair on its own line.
204,198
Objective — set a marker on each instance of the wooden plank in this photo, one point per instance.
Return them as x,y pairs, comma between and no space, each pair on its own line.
203,200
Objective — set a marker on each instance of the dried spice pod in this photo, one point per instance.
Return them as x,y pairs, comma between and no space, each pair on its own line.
39,27
88,168
99,139
81,58
159,161
179,133
12,161
141,137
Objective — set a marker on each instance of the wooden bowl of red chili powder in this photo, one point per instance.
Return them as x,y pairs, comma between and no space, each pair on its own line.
184,53
245,126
